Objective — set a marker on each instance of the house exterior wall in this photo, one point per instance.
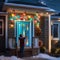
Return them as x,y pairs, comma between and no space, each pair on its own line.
42,26
45,31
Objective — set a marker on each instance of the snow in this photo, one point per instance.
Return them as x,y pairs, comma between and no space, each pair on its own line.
10,58
45,56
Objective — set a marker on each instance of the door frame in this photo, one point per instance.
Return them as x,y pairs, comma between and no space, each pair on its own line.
16,31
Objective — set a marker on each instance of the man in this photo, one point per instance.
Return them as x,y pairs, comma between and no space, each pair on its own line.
21,38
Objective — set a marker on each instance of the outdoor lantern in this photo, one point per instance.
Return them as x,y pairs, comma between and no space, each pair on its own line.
11,25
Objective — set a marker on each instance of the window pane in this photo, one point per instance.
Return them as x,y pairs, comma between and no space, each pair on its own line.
55,30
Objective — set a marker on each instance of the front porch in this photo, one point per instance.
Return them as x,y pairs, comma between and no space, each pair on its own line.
14,52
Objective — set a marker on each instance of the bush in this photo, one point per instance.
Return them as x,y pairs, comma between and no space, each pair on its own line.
42,49
57,51
53,50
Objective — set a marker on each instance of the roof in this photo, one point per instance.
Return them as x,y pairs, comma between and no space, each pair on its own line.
27,2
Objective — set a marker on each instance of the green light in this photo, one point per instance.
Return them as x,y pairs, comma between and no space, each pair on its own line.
10,18
18,16
14,18
30,19
35,17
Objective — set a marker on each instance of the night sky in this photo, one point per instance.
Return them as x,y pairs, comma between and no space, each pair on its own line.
54,4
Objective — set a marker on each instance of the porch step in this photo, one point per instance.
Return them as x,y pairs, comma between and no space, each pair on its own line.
13,52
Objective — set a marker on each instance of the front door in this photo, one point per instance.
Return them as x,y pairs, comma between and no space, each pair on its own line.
26,29
2,33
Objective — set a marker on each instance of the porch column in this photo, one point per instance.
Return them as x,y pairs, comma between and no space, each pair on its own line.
6,29
49,40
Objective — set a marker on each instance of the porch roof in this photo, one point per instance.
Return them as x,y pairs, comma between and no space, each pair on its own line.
39,8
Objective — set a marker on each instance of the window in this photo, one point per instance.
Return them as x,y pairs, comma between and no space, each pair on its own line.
55,31
1,28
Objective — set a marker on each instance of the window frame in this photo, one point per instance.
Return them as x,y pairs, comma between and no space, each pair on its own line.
55,38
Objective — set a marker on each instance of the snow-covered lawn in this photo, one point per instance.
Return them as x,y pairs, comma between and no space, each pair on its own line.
10,58
44,56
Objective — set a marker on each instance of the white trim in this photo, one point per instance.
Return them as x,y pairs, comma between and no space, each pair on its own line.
55,38
3,12
49,47
30,35
6,31
58,32
30,6
33,29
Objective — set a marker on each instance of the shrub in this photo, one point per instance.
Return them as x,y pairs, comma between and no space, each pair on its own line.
42,49
57,51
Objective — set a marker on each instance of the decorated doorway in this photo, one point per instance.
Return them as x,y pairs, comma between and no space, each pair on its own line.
26,29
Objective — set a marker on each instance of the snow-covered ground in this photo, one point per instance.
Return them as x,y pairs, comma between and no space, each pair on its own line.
10,58
45,56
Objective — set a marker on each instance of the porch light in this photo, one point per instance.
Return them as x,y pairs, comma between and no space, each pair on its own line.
11,25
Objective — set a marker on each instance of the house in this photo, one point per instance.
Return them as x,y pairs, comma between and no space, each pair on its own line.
27,17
